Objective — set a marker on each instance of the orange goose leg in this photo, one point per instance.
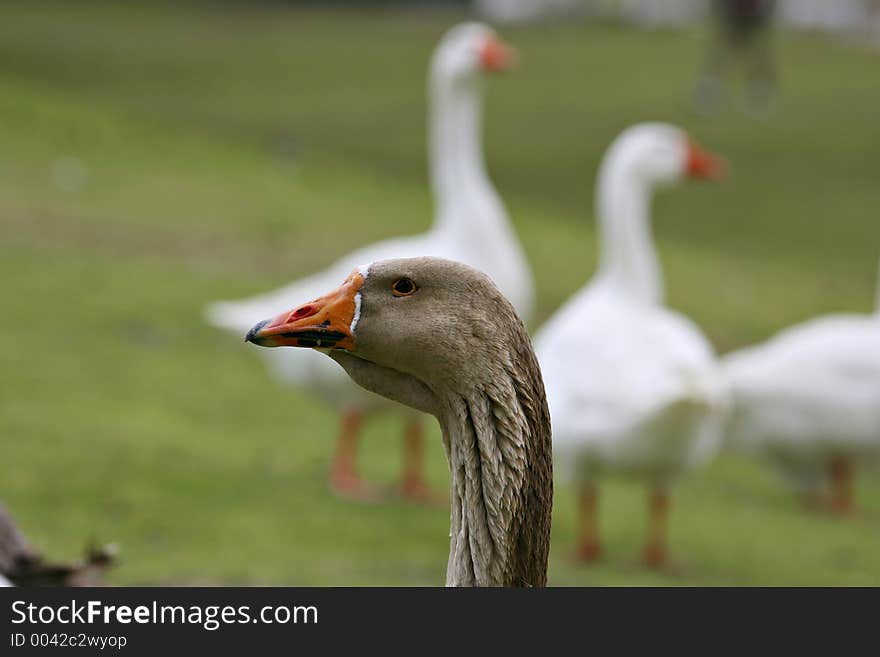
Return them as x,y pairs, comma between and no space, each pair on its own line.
344,479
658,513
348,484
413,485
588,546
841,471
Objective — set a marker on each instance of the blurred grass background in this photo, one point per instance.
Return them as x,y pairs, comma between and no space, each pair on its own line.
154,158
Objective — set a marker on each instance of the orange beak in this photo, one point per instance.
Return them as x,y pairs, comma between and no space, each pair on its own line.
703,164
496,56
327,322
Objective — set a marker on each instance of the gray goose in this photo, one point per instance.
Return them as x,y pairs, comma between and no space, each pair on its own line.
439,337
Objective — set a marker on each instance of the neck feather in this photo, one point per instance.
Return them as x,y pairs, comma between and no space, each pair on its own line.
628,259
497,440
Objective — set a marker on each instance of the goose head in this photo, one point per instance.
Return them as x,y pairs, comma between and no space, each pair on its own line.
425,318
642,158
469,50
658,154
438,336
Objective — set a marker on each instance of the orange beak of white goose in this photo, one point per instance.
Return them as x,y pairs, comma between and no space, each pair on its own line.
326,323
700,163
497,56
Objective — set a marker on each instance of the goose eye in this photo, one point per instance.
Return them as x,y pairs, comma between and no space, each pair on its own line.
403,287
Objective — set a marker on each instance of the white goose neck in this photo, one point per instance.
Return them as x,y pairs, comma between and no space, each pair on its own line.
628,260
468,210
455,143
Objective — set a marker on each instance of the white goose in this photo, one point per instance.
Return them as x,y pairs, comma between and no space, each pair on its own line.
470,226
633,387
808,401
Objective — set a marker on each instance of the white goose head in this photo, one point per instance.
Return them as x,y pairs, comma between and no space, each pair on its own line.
644,157
657,154
439,336
469,50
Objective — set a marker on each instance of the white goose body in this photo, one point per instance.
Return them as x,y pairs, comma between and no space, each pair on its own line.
808,396
470,225
632,386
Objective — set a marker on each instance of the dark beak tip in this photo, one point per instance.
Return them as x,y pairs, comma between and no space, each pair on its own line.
252,334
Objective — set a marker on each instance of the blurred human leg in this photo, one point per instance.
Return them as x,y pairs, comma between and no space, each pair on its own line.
761,81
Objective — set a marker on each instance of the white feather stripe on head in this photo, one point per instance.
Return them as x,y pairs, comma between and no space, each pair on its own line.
364,271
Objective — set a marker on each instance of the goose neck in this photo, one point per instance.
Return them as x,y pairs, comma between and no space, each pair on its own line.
455,142
627,259
497,443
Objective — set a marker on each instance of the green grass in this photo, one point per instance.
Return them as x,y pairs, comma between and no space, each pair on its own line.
228,150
